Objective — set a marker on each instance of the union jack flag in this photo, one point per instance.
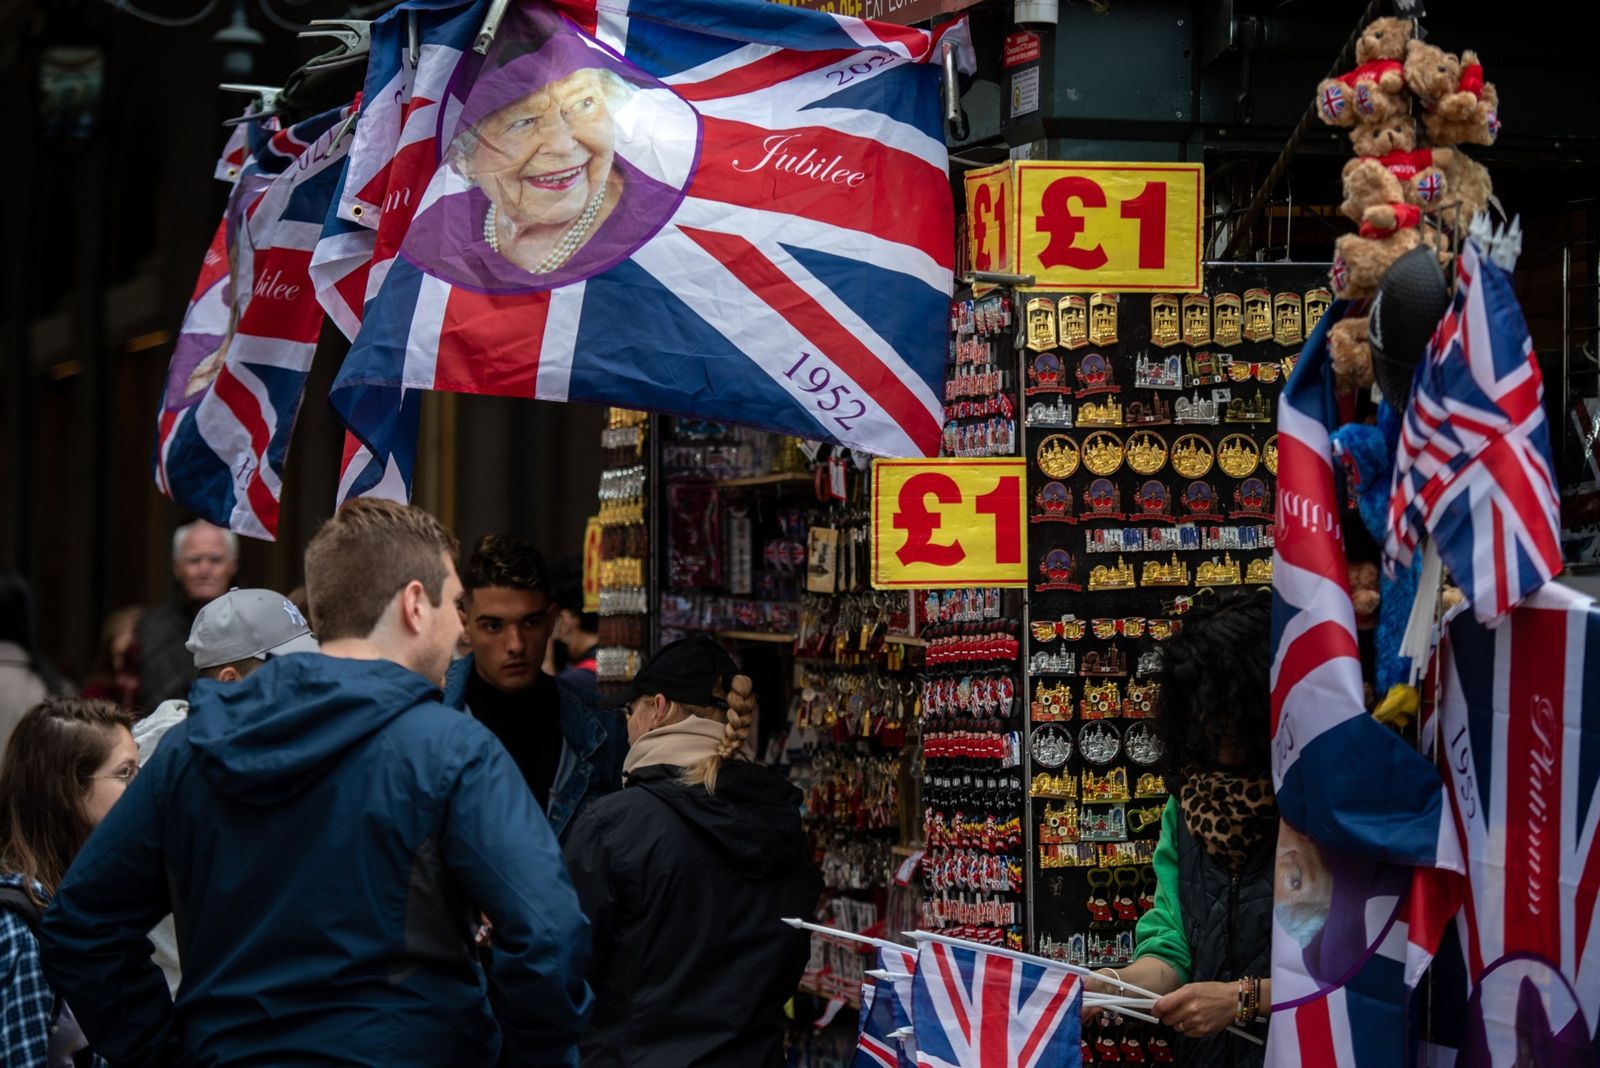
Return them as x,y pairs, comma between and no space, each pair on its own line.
1520,709
1367,866
1473,464
981,1008
1430,187
780,251
238,372
1332,102
886,1011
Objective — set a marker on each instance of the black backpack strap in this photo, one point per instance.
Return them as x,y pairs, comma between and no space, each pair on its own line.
16,899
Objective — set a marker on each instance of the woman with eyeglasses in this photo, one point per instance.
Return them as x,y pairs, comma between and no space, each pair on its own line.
67,763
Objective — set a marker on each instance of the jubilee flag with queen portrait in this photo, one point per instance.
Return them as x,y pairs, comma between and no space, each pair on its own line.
730,209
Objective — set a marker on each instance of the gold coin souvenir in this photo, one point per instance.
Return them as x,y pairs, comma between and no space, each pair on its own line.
1227,318
1164,328
1196,319
1257,315
1269,454
1073,312
1058,456
1316,302
1041,323
1191,456
1103,318
1146,452
1238,456
1286,320
1102,453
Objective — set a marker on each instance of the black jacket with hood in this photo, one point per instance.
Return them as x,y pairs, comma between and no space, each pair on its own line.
685,891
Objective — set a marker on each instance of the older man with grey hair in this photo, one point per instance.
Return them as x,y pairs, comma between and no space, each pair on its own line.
204,559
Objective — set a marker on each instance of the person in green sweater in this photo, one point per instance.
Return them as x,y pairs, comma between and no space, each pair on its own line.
1206,945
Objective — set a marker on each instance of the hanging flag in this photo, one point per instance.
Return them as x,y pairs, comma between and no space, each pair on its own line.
1520,707
983,1008
722,208
886,1012
1473,464
1367,865
238,372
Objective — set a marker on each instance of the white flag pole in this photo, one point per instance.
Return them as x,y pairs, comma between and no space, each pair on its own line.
848,936
1029,958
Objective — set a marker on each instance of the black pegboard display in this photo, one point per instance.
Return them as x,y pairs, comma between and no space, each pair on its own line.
1142,502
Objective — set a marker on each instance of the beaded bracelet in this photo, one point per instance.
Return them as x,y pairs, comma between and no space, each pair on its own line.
1249,1000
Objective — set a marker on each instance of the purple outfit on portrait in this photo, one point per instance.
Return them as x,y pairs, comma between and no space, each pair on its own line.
446,239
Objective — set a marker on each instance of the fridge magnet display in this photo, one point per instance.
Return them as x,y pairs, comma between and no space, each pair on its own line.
1095,376
1196,320
1165,330
1051,746
1073,312
1237,456
1103,318
1145,452
1286,319
1175,573
1044,375
1227,319
1108,577
1102,499
1195,410
1102,454
1252,500
1144,747
1055,414
1200,502
1257,315
1099,743
1155,413
1057,567
1041,318
1057,456
1055,504
1214,572
1158,372
1101,413
1191,456
1317,301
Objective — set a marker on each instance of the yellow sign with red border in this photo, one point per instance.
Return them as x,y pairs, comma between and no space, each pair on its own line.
949,523
593,536
991,236
1111,227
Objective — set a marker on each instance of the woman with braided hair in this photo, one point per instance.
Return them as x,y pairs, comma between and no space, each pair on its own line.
686,874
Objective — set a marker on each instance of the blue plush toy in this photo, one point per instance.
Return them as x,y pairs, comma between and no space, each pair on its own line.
1367,455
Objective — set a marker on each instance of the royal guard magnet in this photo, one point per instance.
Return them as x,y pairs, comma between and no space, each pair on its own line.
1164,328
1196,319
1103,318
1227,320
1257,315
1073,312
1041,323
1316,301
1286,319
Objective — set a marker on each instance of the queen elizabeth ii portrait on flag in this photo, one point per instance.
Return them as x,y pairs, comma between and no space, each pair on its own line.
560,159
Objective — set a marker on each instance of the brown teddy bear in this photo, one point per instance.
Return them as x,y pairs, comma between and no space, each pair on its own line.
1458,106
1359,260
1368,183
1376,89
1393,144
1350,353
1364,593
1468,188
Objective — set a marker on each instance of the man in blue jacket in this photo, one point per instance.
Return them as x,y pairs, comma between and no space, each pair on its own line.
326,835
569,752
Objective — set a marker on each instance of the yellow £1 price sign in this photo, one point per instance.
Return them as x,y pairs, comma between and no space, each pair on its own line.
990,226
947,523
1113,227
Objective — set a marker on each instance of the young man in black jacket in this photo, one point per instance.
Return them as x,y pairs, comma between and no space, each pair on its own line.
686,876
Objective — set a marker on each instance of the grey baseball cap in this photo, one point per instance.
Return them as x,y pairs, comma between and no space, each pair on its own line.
248,623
